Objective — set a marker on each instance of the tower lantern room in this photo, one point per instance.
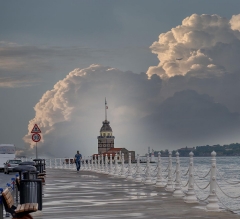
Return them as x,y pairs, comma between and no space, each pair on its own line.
106,139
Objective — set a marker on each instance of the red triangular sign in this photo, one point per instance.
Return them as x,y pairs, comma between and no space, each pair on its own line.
36,129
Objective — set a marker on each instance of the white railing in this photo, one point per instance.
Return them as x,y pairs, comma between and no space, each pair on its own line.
187,185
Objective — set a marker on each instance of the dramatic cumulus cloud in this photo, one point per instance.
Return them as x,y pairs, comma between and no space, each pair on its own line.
71,114
203,46
187,102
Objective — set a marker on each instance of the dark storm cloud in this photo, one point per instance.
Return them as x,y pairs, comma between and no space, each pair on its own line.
190,119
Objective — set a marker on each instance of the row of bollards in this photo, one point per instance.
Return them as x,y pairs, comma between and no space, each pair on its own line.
104,165
109,166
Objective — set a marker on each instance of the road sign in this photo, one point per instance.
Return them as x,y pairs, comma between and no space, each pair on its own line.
36,137
36,129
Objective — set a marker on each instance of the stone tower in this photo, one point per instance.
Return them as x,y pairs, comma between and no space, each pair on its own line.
106,139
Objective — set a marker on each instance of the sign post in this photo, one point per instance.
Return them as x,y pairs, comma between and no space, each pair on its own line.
36,137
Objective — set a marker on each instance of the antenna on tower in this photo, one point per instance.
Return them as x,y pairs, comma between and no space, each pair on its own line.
106,107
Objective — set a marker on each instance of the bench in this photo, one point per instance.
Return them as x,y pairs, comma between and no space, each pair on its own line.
22,210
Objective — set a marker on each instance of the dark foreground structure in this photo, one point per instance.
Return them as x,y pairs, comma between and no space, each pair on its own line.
85,195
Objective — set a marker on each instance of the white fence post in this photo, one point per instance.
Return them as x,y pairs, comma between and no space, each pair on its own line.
212,200
190,196
122,173
138,177
178,190
116,172
159,182
129,167
95,163
99,167
102,166
148,179
169,186
110,167
106,164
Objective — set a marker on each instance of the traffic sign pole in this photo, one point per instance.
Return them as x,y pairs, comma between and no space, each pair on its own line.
36,151
36,137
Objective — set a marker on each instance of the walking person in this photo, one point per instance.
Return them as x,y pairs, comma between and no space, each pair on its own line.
77,159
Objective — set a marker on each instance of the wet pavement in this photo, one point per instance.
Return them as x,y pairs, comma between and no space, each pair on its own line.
85,195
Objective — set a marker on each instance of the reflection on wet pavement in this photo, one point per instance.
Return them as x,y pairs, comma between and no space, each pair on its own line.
86,195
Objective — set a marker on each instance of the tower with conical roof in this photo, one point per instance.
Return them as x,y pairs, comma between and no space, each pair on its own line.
106,139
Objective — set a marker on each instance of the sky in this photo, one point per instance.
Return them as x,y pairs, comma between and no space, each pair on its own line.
169,69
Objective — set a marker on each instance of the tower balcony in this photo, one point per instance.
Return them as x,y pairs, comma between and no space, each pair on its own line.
108,137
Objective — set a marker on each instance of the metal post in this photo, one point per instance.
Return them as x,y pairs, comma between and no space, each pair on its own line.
190,196
178,191
106,164
116,166
110,167
99,170
91,163
122,173
169,186
88,164
1,204
95,164
84,163
148,179
159,182
138,177
102,166
36,151
212,200
129,167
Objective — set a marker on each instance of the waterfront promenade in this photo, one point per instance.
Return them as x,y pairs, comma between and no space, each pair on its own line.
68,194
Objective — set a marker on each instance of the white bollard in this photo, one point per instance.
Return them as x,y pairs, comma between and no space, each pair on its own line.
60,163
110,167
148,179
116,171
159,182
138,177
122,172
102,166
99,167
106,164
88,164
95,163
84,163
129,176
91,163
55,163
68,163
65,164
178,190
169,186
50,163
212,200
190,196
